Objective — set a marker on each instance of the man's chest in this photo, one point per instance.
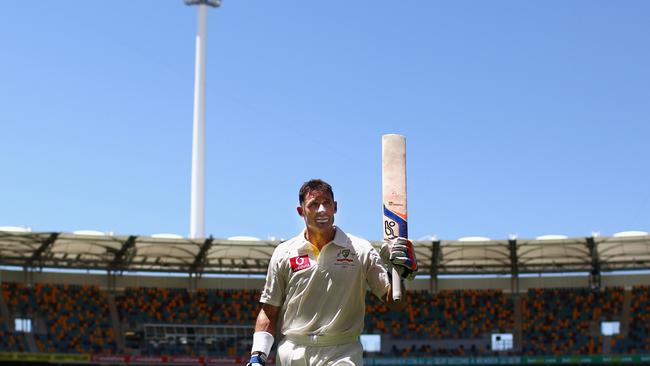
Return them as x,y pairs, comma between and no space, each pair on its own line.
333,263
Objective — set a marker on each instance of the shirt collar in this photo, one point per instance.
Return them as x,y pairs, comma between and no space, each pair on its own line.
340,239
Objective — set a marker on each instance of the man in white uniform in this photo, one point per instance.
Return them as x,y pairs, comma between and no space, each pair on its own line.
316,285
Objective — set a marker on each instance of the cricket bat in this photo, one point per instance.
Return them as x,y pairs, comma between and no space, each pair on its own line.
393,179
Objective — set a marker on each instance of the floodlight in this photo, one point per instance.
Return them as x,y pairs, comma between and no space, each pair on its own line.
212,3
197,197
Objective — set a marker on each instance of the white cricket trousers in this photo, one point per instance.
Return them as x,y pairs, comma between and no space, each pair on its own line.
292,354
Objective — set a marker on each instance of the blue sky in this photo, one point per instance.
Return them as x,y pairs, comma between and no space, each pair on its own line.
521,117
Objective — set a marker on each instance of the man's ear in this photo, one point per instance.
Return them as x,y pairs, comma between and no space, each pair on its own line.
299,209
335,206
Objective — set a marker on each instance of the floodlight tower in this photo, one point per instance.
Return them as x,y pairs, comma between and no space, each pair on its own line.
197,210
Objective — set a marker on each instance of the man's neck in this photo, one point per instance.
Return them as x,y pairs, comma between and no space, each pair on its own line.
319,239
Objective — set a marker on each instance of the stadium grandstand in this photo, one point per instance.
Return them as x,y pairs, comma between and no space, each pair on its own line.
94,298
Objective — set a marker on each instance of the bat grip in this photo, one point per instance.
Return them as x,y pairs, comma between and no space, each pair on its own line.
397,286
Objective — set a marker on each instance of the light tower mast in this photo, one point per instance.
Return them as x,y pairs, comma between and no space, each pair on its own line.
197,210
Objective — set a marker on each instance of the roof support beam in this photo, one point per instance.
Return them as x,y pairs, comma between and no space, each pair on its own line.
514,266
594,273
37,256
436,257
123,257
199,261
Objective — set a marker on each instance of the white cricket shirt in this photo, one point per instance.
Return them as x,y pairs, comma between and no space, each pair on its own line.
323,293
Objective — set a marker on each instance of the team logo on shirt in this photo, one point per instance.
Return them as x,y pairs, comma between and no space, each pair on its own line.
343,256
299,263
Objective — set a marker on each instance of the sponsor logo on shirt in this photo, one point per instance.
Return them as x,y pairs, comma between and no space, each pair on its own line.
343,256
299,263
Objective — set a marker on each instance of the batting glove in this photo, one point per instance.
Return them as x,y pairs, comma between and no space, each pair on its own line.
257,359
399,253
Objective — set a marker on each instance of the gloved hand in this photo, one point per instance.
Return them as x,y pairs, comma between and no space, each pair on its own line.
257,359
399,253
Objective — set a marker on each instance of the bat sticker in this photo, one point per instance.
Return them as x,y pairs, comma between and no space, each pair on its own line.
389,225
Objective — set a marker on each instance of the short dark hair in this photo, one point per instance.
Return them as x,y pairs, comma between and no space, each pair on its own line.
314,185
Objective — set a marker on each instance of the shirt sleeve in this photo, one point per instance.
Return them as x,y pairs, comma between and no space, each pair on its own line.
376,274
274,288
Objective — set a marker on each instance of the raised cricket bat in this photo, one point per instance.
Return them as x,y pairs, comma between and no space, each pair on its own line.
393,179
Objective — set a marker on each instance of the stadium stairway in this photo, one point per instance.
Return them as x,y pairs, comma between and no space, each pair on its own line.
518,302
115,323
625,315
4,313
30,341
624,319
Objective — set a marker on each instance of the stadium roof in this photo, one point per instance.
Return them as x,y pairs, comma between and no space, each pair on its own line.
98,251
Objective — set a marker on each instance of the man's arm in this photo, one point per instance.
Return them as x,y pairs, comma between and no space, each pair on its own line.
267,319
398,253
263,338
392,304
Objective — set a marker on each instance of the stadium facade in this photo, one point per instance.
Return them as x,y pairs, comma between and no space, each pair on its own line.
93,299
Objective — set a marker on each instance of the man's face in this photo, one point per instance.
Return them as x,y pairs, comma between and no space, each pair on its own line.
318,210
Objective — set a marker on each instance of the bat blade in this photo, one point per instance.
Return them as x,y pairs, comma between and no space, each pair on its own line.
393,177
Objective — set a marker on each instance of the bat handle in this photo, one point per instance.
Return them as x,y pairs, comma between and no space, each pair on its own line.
397,286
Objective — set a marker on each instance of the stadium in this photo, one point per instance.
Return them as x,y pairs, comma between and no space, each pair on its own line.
513,110
91,298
